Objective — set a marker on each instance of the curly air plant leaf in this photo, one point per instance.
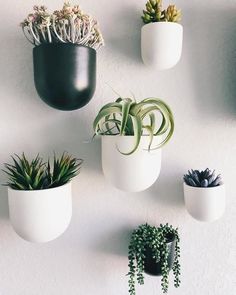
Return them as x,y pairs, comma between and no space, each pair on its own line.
68,25
206,178
127,117
36,175
156,239
154,13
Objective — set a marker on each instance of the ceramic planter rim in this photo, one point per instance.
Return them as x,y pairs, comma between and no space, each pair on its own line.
205,188
39,190
59,44
162,22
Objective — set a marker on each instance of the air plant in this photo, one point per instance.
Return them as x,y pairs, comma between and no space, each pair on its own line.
154,12
37,175
68,25
128,117
205,178
155,239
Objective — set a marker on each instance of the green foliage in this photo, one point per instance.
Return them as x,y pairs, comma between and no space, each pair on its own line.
37,175
154,12
127,117
155,239
206,178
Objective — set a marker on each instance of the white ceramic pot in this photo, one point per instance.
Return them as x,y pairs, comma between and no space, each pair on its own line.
205,204
42,215
130,173
161,44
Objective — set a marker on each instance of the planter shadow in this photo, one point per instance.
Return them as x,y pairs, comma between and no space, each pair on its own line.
65,74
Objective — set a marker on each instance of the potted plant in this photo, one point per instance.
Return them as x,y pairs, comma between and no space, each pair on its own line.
155,251
39,196
64,54
132,135
204,195
162,35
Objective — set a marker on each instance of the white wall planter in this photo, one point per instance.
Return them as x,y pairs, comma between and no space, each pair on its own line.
205,204
42,215
132,173
161,44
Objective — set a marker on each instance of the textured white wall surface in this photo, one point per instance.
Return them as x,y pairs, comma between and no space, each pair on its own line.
91,257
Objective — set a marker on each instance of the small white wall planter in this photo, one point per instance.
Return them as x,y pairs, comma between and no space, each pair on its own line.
130,173
205,204
161,44
41,215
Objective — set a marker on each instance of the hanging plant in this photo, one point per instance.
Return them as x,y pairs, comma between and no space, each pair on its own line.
133,134
162,35
204,194
163,244
127,117
39,195
65,43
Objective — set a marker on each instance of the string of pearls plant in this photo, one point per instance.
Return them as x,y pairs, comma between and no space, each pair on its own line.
154,238
68,25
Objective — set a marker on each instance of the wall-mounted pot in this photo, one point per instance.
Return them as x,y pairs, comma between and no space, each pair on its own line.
161,44
65,74
130,173
205,204
41,215
152,267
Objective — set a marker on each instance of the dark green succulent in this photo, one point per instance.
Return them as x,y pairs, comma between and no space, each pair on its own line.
154,13
205,178
62,170
37,175
154,238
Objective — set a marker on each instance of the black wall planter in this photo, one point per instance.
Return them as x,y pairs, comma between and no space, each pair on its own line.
65,74
153,268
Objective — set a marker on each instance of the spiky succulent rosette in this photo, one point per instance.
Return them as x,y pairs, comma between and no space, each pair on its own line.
24,174
153,12
68,25
205,178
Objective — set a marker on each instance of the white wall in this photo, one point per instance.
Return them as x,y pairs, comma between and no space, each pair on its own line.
91,257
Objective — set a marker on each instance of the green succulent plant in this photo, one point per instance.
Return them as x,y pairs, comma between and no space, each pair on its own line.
128,117
156,239
205,178
37,175
68,25
63,170
154,12
172,14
